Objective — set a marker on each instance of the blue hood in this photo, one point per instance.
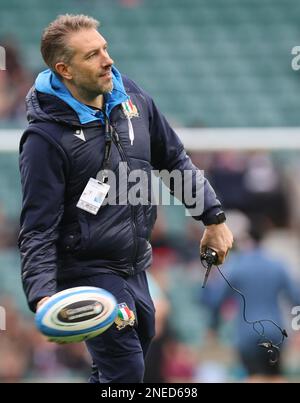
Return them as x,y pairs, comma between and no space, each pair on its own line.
48,82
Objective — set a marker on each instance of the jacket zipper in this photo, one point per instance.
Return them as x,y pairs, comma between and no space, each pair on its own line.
133,222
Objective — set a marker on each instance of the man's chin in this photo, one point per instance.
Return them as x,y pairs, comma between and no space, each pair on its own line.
105,89
108,89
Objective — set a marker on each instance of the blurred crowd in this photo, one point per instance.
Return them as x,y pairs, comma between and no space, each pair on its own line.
27,355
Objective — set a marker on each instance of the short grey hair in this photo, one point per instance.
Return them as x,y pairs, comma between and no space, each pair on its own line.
53,44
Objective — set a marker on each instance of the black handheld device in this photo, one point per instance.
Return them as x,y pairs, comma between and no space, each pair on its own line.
208,259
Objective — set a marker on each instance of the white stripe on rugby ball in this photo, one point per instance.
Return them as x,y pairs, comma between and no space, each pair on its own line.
50,324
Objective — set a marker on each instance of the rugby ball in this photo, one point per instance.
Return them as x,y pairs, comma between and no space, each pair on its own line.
76,314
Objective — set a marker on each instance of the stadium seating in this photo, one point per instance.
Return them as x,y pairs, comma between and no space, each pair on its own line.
207,63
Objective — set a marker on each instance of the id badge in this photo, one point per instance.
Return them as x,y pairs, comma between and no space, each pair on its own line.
93,195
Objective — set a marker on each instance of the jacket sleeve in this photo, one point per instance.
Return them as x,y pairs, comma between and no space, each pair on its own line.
167,153
43,186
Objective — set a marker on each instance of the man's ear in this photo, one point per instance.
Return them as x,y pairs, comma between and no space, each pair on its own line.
63,70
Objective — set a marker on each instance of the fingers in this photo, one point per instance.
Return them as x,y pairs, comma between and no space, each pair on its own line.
222,254
219,238
203,248
41,302
55,341
221,257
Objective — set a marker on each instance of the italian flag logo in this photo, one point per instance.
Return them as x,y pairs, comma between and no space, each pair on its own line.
124,313
129,109
125,316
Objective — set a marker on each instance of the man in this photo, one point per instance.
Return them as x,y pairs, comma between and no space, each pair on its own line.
85,119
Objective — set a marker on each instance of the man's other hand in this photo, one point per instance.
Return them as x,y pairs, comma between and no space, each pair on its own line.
219,238
41,301
38,305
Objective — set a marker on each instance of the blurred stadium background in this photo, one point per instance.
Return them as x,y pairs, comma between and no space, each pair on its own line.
221,72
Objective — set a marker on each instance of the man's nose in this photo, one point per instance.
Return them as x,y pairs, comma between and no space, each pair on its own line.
108,61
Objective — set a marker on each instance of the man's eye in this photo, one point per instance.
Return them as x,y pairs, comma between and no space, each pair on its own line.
92,55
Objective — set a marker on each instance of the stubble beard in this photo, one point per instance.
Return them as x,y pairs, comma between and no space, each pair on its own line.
107,88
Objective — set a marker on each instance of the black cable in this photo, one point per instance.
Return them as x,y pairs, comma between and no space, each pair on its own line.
208,259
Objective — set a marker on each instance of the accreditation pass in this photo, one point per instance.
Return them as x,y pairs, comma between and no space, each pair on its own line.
93,195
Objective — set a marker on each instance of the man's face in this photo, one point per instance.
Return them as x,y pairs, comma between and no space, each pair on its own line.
90,66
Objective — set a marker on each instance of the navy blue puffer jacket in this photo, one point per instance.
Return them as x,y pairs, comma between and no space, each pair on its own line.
58,240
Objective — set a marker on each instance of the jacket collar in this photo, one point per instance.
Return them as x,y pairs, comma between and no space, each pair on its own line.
48,82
